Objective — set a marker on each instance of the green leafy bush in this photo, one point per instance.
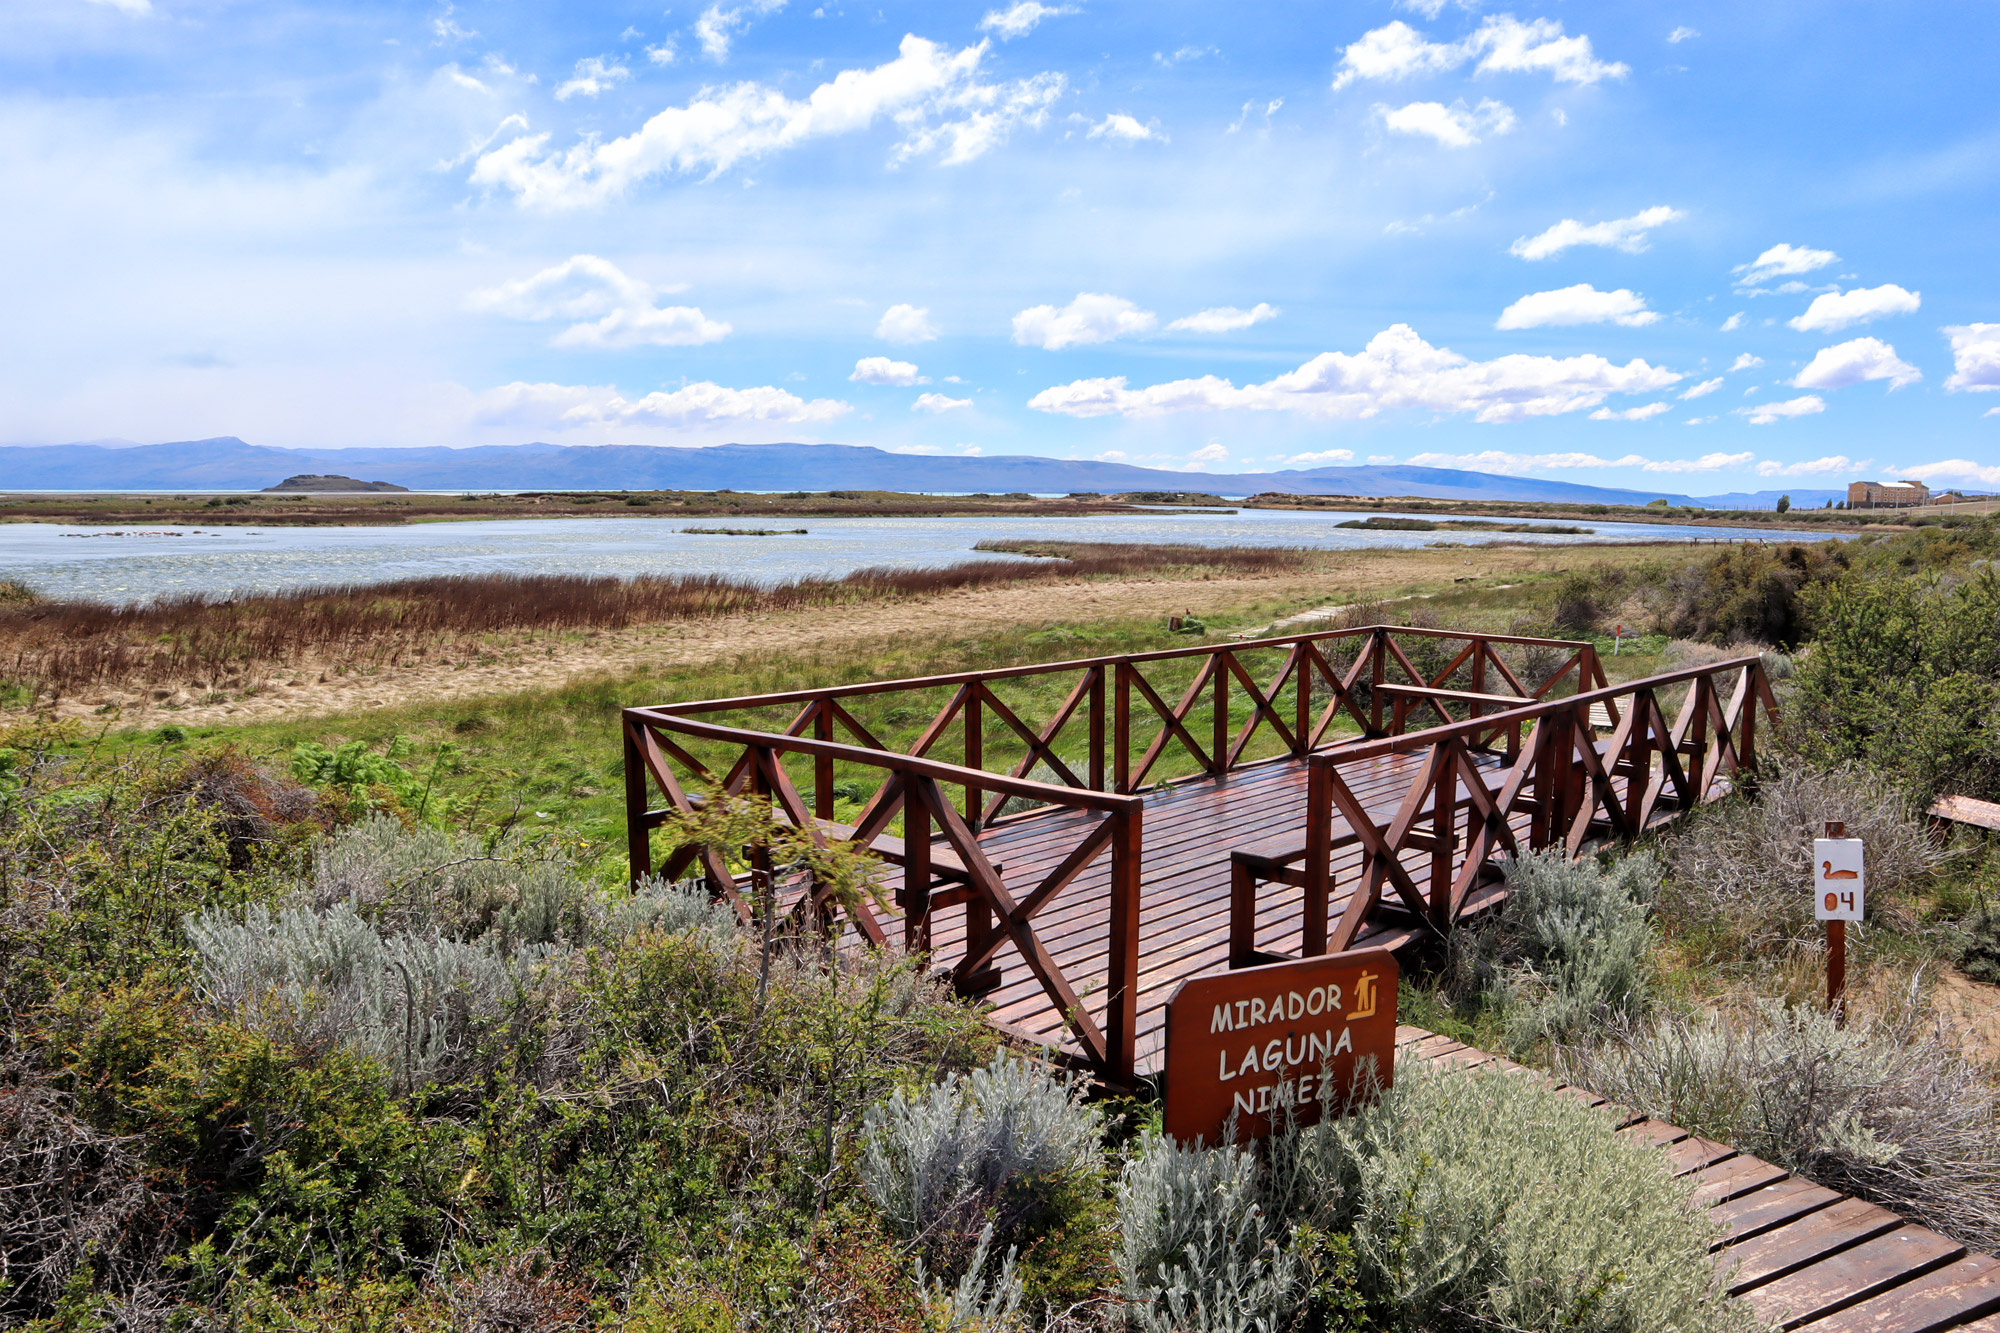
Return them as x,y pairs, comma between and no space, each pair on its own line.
1904,674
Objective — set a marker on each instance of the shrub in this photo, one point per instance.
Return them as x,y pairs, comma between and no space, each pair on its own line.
1570,945
1490,1200
1905,673
1877,1108
1979,956
1739,873
1750,591
1579,602
975,1151
1198,1251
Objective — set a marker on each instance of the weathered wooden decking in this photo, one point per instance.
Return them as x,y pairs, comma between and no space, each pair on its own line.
1805,1257
1191,829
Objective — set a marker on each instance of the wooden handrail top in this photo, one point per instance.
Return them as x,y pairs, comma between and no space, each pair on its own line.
1465,696
1528,712
1083,664
1052,793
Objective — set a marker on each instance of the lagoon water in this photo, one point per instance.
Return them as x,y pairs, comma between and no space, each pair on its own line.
141,563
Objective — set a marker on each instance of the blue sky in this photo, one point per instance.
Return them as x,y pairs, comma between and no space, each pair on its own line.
1686,246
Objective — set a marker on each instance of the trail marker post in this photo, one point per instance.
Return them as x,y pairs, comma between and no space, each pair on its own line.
1839,884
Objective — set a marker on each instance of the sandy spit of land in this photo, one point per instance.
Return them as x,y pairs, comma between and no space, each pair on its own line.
308,689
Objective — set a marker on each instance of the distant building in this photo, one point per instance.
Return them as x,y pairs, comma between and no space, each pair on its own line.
1893,495
1960,498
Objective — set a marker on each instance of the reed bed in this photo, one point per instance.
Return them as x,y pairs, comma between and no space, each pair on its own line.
55,648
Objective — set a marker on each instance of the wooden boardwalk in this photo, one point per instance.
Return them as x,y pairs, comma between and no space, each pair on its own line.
1805,1257
1191,830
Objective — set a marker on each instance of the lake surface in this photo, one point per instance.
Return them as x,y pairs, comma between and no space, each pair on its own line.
140,563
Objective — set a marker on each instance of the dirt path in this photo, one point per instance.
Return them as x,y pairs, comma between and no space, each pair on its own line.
309,690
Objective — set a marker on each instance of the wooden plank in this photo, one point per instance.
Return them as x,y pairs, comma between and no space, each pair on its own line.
1656,1132
1734,1177
1808,1240
1853,1275
1966,810
1941,1299
1693,1153
1775,1205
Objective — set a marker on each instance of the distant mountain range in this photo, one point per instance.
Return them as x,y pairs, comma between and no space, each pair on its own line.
228,464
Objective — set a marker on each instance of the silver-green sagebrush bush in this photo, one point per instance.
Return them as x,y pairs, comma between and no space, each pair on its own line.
1880,1108
940,1161
1570,946
1198,1252
1488,1200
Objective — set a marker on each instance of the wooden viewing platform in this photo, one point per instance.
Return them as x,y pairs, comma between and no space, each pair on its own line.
1804,1257
1287,805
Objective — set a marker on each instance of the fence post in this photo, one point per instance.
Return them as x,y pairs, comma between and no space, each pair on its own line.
916,871
1121,1004
1121,731
1097,727
1319,855
1302,675
638,839
1444,834
975,753
1378,656
823,764
1219,759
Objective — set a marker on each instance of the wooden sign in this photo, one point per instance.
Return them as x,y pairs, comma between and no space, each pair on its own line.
1307,1036
1838,879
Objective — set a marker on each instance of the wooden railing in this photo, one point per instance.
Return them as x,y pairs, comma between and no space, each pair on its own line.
1457,803
1105,743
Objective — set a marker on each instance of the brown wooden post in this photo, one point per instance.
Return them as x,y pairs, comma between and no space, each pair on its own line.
638,839
1444,836
1121,1003
1219,747
1121,731
1302,677
1548,786
1319,855
1242,913
1378,660
916,872
1639,774
763,889
822,764
1699,775
1479,649
975,753
1836,949
1097,728
1746,746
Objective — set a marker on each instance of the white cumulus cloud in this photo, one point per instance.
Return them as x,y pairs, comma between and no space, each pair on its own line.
1733,323
1833,466
1681,34
1502,45
1125,128
1632,235
906,324
1766,413
1782,260
605,307
937,402
1093,317
934,96
1643,413
136,8
1745,361
1834,311
1975,354
1703,389
1581,304
1397,369
564,406
881,370
1323,458
1224,319
718,25
1856,362
1953,469
1513,464
594,74
1454,126
1019,20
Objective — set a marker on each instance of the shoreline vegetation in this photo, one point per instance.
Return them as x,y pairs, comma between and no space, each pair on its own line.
268,509
54,648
